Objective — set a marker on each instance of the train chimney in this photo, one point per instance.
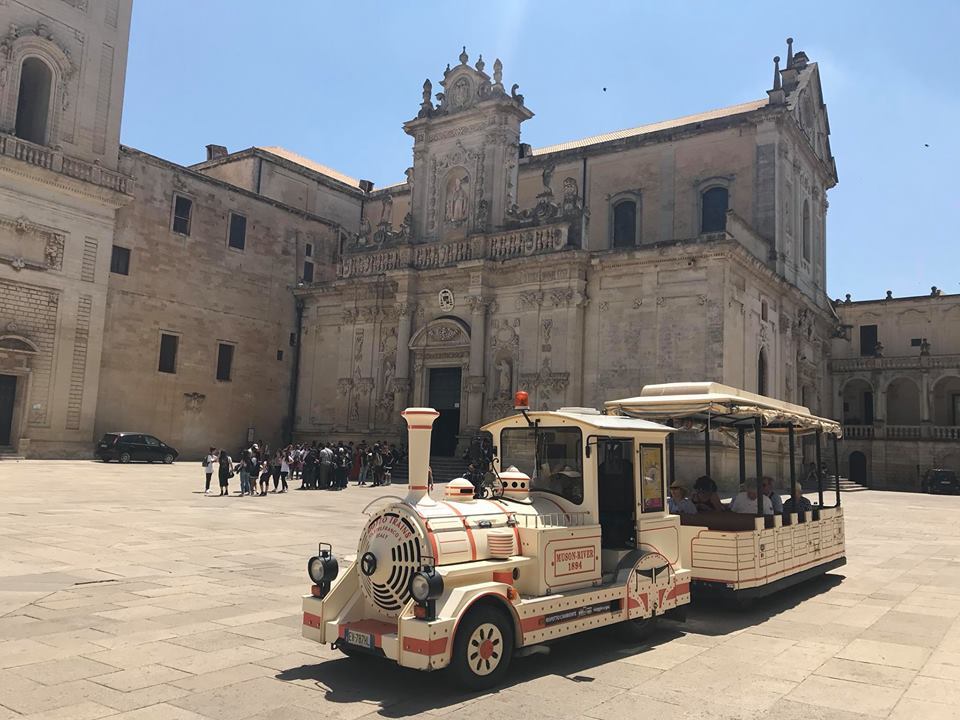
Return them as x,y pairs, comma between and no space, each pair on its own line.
419,427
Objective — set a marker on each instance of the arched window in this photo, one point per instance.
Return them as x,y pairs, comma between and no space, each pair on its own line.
762,372
33,101
806,230
713,210
625,224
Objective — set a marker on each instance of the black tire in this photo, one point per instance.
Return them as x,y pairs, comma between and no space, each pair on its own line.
637,631
476,663
168,459
124,457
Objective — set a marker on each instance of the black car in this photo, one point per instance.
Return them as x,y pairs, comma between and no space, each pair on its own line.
940,481
125,446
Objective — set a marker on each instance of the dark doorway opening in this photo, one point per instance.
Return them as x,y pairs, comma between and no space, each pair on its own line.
868,407
8,393
444,397
858,468
617,498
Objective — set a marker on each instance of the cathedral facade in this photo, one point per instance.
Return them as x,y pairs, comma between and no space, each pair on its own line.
692,249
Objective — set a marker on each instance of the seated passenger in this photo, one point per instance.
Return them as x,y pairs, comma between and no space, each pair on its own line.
746,500
767,489
678,503
705,496
798,503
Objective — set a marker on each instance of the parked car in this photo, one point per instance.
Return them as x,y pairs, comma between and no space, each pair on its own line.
940,481
125,446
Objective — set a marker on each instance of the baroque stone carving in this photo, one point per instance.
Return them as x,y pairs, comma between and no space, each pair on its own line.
445,334
194,401
446,300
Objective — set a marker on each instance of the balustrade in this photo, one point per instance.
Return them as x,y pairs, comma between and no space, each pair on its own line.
55,160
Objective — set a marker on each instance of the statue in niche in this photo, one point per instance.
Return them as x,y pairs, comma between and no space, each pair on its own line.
388,377
461,93
364,236
386,210
457,201
504,378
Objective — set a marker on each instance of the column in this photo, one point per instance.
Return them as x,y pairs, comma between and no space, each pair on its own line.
401,381
476,380
925,396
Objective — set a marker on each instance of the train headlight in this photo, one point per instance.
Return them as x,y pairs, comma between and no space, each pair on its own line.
323,568
426,585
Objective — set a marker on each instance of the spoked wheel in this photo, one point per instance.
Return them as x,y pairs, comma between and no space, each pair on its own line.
125,458
482,649
168,458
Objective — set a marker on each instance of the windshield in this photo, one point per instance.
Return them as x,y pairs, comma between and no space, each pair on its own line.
560,455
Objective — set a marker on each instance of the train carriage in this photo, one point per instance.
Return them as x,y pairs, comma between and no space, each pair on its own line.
738,555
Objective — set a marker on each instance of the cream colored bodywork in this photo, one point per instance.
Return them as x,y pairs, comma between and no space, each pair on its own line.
561,581
749,559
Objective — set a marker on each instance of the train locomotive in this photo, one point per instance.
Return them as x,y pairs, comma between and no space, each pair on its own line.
577,537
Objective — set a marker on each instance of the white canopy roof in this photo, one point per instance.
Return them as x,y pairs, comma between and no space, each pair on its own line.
722,405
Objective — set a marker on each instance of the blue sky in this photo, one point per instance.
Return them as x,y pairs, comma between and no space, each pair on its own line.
335,81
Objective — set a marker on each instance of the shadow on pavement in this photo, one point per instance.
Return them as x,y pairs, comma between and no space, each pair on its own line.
401,692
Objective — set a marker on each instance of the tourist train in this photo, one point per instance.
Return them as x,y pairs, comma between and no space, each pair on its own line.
577,535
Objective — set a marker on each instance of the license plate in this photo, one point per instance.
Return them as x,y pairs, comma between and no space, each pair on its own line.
360,639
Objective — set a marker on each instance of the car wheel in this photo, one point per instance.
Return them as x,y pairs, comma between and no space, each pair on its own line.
168,458
124,457
482,649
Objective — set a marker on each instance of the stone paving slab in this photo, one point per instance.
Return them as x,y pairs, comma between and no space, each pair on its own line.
127,593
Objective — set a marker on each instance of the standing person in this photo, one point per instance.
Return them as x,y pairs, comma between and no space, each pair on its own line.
376,464
208,463
364,455
354,462
326,466
264,475
286,459
244,469
429,479
276,470
225,472
340,467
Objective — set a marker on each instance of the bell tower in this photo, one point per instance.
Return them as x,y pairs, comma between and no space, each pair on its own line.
465,153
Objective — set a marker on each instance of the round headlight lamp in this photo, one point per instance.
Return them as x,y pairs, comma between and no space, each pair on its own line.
426,585
323,568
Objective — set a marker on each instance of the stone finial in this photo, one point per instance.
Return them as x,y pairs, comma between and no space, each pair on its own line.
847,298
789,52
498,72
480,65
776,72
889,295
463,56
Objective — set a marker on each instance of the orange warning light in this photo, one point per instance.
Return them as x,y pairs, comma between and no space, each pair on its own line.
521,400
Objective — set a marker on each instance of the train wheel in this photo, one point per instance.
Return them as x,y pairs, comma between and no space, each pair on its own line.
482,649
637,631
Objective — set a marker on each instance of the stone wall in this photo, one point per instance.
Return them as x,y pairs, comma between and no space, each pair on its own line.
206,293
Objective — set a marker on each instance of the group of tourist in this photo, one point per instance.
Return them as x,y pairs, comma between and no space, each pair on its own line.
706,499
318,466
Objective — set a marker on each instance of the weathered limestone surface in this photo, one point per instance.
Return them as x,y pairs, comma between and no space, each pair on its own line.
141,598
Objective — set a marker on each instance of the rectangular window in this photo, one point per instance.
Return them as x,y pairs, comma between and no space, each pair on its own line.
182,212
651,478
168,353
868,340
308,250
224,361
916,342
238,231
279,354
120,260
308,272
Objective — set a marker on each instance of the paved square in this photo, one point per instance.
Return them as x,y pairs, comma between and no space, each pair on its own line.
127,593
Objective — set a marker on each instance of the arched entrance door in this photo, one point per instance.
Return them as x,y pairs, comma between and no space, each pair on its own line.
441,354
858,467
